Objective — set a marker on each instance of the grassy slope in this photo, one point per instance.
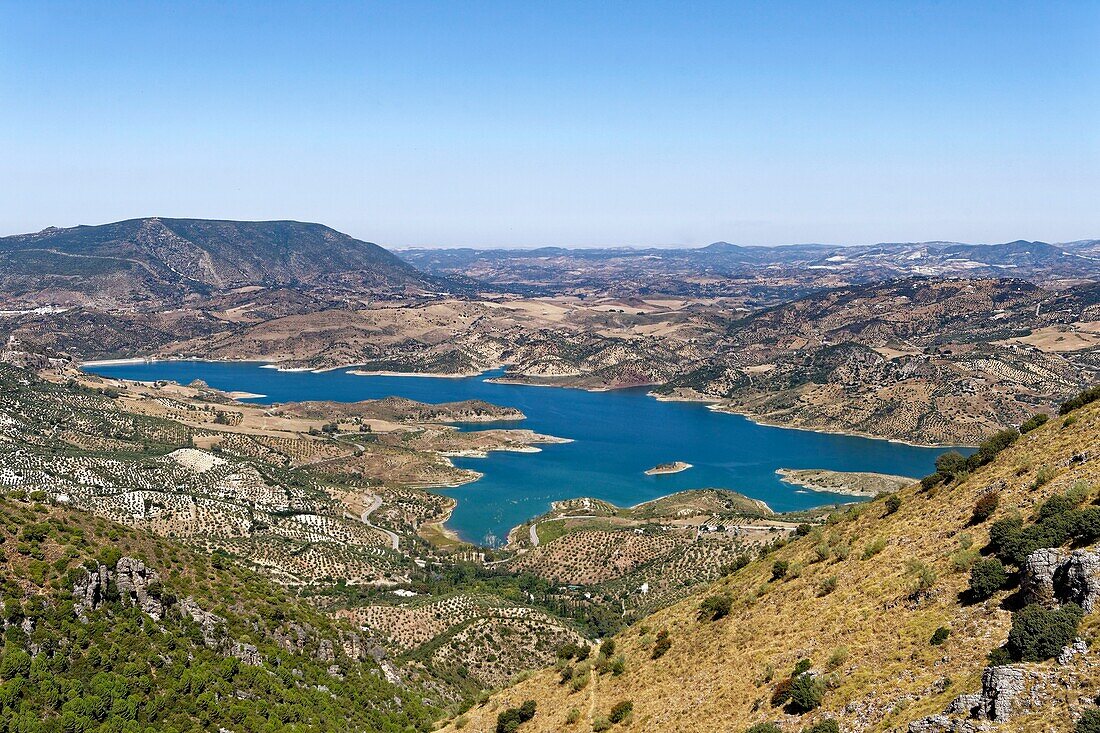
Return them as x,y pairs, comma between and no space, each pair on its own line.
713,678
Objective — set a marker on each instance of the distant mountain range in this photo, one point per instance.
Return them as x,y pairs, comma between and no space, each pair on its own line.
169,259
801,265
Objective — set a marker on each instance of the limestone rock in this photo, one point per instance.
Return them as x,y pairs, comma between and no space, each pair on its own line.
1078,647
1052,577
247,653
90,591
1037,581
1000,686
137,586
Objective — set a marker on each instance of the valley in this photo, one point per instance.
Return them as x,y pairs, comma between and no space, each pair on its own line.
450,471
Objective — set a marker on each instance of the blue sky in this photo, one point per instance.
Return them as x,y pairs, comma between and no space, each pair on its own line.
529,123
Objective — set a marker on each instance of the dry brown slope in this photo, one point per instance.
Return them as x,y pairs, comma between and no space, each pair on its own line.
713,678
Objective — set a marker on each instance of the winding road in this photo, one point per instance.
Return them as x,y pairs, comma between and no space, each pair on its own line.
375,502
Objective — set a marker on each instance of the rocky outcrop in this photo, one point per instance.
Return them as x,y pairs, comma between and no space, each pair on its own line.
139,586
1052,577
1001,686
90,591
133,582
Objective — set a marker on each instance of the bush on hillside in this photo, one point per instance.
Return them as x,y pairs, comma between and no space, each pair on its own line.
1039,634
939,636
662,645
1033,422
1089,722
806,693
951,463
511,719
620,711
990,447
715,607
893,503
985,506
779,569
986,578
823,726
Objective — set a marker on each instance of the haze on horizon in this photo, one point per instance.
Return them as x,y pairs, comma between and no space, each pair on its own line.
568,124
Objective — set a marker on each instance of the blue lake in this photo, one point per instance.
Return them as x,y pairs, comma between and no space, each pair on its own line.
617,436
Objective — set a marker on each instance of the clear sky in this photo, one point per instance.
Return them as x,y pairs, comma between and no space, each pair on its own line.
527,123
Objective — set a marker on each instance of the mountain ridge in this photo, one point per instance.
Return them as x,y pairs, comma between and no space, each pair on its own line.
169,259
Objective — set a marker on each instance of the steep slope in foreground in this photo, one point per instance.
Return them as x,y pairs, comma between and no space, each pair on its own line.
863,599
165,259
108,629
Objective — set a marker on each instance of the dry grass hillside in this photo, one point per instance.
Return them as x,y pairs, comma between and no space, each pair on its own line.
861,600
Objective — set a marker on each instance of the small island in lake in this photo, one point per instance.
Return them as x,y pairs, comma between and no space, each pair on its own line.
674,467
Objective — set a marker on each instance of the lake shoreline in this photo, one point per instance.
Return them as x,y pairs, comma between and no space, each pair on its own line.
712,404
615,439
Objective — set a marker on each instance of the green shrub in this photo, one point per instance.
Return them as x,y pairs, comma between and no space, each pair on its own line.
874,547
985,506
893,503
779,569
1003,530
1038,633
511,719
950,463
662,645
1089,722
620,711
572,716
828,585
923,575
601,724
837,658
939,636
806,693
715,607
1033,422
986,578
802,665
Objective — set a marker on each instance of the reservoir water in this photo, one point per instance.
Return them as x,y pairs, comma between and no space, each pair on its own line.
616,436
